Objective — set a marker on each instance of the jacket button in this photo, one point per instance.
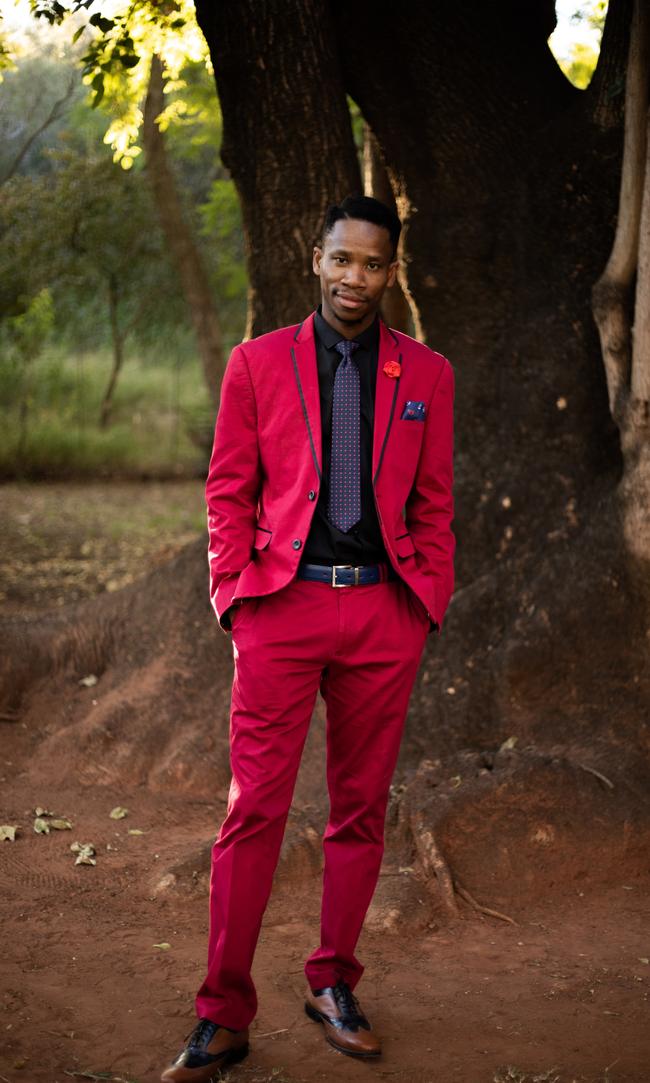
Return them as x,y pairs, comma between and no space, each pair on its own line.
296,543
311,495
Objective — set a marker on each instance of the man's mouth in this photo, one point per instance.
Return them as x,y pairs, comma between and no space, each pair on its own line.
348,300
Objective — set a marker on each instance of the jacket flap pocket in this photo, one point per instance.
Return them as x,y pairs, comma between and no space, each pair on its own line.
262,537
404,546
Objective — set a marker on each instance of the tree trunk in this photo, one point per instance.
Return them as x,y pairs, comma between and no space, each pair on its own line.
117,338
184,250
287,141
506,188
626,355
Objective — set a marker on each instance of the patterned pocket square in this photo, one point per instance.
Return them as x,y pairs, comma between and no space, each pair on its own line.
413,411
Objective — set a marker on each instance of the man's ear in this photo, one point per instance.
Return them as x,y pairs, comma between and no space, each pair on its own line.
318,255
393,268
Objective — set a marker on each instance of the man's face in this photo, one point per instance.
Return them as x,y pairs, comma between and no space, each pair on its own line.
355,265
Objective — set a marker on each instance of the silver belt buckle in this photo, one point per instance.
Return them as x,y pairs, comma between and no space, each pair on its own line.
337,567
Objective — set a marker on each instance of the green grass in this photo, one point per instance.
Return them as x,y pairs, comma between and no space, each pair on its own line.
156,409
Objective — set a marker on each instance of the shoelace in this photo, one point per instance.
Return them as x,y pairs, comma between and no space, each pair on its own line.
202,1033
347,1003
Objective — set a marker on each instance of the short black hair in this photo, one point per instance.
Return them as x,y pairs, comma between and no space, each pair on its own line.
368,210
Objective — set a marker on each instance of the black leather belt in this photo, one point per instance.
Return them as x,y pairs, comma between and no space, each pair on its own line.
346,575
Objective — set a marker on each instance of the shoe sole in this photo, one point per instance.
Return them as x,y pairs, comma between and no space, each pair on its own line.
234,1056
318,1018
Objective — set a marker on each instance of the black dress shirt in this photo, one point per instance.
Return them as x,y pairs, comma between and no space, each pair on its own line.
362,543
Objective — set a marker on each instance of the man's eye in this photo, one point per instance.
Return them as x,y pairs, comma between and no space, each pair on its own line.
340,259
373,266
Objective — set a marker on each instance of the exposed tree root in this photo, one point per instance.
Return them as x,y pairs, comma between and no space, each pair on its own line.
464,894
500,818
595,773
433,861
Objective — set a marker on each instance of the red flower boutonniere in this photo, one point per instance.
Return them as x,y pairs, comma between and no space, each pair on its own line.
393,369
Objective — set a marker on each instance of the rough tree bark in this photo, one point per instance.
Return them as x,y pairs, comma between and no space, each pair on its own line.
626,354
185,253
287,141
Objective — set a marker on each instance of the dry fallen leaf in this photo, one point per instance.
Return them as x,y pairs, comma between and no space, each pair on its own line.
41,826
164,946
118,813
510,743
89,681
84,852
8,832
38,811
135,831
60,825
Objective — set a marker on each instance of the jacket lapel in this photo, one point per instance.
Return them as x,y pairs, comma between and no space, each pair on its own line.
385,396
303,357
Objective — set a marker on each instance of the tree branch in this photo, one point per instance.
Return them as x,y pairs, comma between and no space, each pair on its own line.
641,336
53,115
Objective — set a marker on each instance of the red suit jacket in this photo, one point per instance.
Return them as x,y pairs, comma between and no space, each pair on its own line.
265,468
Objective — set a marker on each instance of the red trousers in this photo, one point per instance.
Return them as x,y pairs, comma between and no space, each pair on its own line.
360,646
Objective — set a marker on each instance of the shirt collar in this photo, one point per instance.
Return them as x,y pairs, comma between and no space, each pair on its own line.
368,339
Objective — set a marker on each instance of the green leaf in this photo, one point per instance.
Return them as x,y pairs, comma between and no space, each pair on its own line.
102,23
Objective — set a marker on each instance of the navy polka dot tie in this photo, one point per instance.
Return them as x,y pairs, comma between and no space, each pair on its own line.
344,507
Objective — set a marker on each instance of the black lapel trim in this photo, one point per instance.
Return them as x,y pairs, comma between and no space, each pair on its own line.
390,421
305,414
295,337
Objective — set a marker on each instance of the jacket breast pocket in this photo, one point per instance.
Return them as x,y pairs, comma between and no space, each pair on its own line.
262,537
408,435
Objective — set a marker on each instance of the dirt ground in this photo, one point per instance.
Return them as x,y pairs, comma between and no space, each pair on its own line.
89,991
68,541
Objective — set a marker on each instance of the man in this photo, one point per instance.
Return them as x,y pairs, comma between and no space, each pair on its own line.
330,505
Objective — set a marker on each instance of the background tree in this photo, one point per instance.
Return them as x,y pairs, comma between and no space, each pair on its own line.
88,228
183,248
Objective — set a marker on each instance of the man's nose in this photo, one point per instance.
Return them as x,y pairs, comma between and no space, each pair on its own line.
353,275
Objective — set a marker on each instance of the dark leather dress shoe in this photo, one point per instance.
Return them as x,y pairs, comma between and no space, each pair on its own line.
346,1027
209,1048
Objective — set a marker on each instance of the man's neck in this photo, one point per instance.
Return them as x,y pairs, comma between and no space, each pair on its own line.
347,330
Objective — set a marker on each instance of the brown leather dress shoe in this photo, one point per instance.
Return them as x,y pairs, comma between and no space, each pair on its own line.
209,1048
346,1027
